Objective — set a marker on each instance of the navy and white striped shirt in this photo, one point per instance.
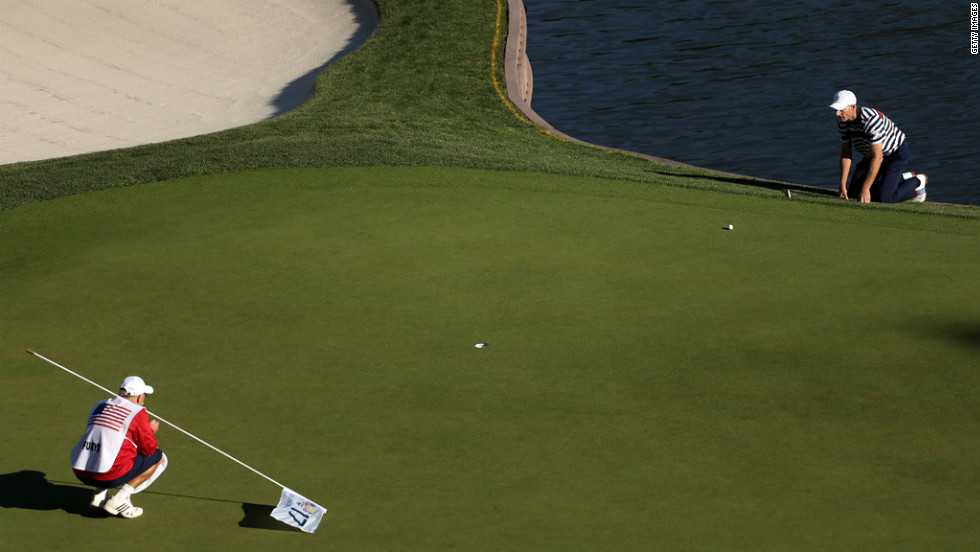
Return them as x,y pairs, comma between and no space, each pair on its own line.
871,127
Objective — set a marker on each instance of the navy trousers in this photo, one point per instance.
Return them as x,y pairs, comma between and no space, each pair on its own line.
889,186
141,463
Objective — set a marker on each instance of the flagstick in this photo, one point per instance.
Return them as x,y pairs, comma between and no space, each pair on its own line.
216,449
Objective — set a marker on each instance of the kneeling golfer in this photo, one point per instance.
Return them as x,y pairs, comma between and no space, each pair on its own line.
880,175
119,449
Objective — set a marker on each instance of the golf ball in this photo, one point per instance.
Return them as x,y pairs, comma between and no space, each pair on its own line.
480,345
731,227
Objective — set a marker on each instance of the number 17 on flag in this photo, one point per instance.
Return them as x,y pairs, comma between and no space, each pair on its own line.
298,511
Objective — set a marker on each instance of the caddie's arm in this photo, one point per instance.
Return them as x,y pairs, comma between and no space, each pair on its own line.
876,160
143,433
845,167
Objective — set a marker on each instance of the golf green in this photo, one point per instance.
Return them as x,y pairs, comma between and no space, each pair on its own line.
653,380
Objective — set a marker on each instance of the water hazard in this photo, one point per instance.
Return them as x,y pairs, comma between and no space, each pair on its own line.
743,86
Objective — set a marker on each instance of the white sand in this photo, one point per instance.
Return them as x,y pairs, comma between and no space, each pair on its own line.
78,76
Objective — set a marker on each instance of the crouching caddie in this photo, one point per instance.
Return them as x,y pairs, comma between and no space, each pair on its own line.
119,449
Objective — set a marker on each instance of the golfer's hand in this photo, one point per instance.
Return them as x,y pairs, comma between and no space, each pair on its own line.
154,425
865,196
843,193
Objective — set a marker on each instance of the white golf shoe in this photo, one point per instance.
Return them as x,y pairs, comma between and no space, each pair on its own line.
99,498
122,508
920,191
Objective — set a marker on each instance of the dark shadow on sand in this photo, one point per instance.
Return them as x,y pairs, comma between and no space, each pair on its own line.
300,90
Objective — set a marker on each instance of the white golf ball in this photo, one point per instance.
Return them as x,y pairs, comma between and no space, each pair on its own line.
480,345
731,227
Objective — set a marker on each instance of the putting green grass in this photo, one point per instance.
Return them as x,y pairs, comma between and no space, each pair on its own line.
806,381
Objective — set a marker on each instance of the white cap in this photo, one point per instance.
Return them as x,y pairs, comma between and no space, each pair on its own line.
134,386
843,99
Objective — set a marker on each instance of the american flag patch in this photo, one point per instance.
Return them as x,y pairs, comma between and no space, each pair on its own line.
110,416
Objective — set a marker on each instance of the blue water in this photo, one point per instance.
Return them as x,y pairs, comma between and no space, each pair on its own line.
743,86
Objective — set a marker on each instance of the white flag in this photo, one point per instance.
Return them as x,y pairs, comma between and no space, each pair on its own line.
298,511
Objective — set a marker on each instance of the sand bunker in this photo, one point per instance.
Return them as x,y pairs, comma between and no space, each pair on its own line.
79,76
